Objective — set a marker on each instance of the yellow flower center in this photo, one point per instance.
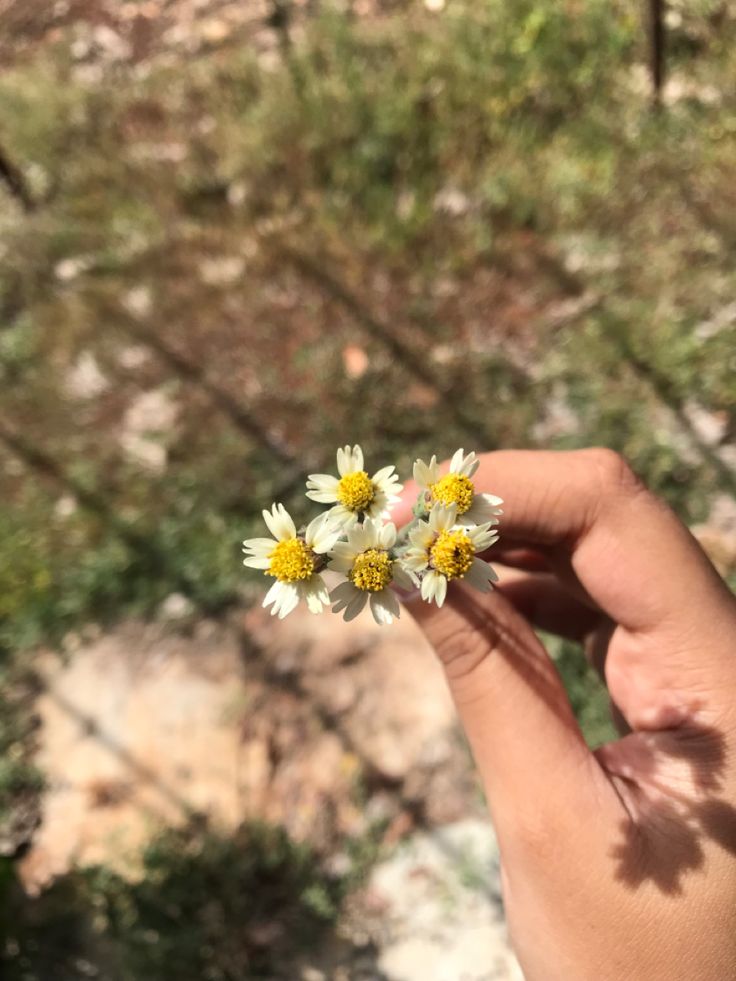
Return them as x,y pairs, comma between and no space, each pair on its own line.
356,491
371,571
452,554
291,561
454,488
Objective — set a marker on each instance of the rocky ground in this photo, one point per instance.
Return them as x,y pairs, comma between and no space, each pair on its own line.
325,728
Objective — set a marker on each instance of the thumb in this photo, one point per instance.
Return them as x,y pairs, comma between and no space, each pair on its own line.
526,742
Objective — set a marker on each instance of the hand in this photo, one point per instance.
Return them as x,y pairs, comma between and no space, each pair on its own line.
618,865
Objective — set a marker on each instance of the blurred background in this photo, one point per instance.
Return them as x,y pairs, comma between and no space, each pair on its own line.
235,234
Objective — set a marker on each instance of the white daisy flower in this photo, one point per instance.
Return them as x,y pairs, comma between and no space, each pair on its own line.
365,559
457,488
293,560
440,550
354,494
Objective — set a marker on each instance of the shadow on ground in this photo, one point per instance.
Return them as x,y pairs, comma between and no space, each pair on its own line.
253,904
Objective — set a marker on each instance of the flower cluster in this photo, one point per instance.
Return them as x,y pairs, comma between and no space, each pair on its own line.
354,539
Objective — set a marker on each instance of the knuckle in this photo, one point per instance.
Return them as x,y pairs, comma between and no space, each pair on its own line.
461,650
613,471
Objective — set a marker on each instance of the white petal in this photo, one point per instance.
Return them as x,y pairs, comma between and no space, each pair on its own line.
259,546
342,595
343,461
388,483
315,593
340,564
479,513
482,537
492,501
388,535
322,496
388,599
464,465
273,595
372,529
279,523
391,489
355,605
257,562
426,474
384,473
386,477
343,518
442,518
326,544
403,577
322,533
428,585
357,458
420,471
457,460
415,561
419,547
357,538
421,535
322,487
349,460
289,599
271,522
480,575
440,590
384,607
322,482
378,508
486,541
380,615
343,550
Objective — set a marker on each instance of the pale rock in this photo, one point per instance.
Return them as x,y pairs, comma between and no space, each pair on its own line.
709,427
85,379
65,506
67,269
222,270
134,735
558,418
176,607
133,356
146,424
452,201
442,913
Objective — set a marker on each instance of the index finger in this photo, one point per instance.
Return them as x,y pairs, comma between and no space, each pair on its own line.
634,557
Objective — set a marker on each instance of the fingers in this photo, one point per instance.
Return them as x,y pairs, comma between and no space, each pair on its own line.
513,706
633,556
401,512
630,552
532,560
545,603
618,548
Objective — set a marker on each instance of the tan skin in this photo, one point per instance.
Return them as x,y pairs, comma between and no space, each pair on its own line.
618,865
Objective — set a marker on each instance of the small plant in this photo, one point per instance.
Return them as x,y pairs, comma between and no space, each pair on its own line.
206,905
